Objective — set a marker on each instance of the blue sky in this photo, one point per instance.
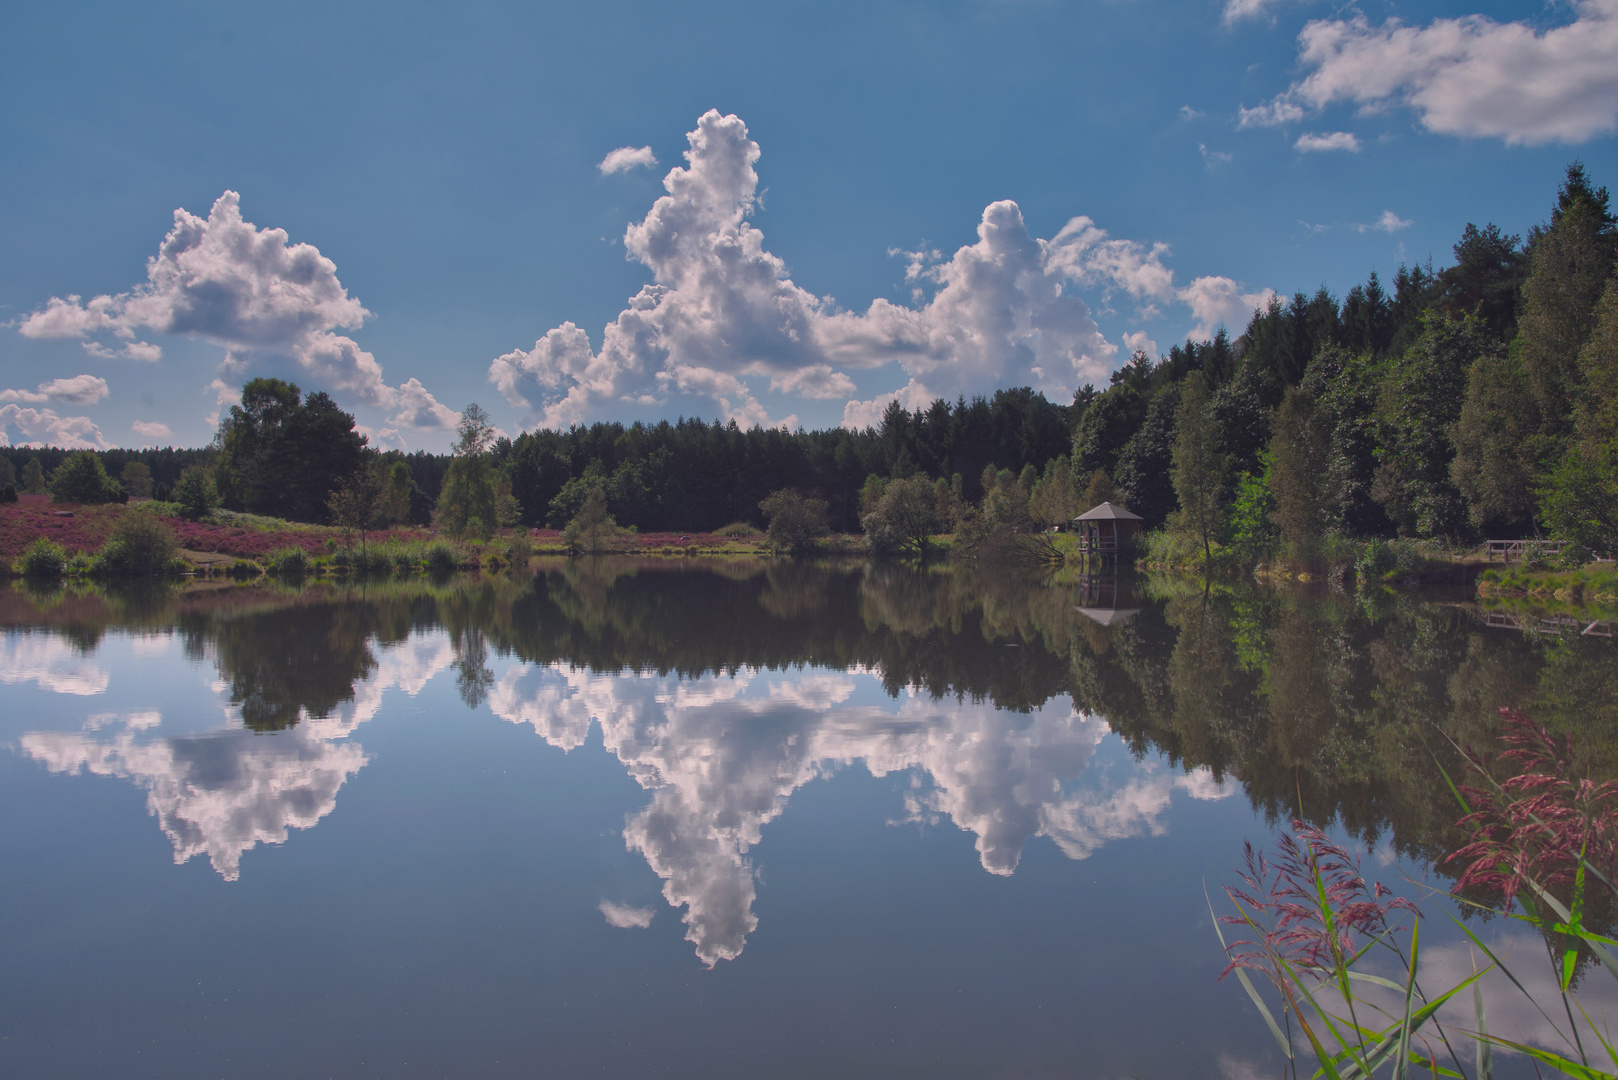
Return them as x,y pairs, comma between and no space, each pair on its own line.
887,199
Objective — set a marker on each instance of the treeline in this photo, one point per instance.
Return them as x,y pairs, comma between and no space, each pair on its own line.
1477,400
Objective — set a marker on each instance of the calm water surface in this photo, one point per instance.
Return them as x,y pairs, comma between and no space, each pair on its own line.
702,821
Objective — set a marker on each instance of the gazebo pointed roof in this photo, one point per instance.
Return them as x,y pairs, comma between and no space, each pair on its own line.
1108,512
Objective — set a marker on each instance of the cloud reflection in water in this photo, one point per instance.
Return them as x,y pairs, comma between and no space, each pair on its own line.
722,754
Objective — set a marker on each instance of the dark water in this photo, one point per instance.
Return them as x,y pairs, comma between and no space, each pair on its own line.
734,821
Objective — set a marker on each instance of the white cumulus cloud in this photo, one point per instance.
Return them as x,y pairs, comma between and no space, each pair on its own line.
152,431
43,427
1219,301
1389,222
1468,76
251,291
625,158
76,390
723,319
1334,140
626,917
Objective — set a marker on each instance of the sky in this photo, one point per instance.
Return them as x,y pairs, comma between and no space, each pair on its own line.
779,214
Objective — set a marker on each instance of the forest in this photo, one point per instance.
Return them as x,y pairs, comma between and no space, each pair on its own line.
1475,400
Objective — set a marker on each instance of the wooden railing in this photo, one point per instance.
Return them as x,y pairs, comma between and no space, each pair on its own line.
1098,543
1517,550
1549,624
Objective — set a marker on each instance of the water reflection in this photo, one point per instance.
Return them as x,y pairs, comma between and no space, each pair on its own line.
723,754
724,689
216,795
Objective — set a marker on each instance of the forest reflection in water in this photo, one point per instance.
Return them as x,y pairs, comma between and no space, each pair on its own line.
726,687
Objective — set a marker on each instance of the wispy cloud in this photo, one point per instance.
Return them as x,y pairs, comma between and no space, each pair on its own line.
625,158
1335,140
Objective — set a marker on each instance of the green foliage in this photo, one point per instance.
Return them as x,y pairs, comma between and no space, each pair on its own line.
33,477
1581,504
469,501
518,550
795,521
1376,561
1201,469
396,495
43,559
137,479
1497,443
740,528
140,546
1098,490
1054,499
439,559
195,493
282,455
83,479
8,494
1298,474
1568,265
1421,398
1106,426
289,562
592,528
1145,465
904,517
1252,524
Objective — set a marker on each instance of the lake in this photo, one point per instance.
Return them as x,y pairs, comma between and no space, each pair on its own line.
685,819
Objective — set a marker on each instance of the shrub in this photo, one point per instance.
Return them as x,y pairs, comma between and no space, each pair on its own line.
8,494
43,559
439,558
196,493
243,568
518,551
737,528
1374,562
83,479
80,564
140,546
795,522
287,562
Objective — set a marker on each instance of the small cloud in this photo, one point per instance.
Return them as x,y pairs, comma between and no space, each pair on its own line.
1280,111
143,350
1237,10
1139,342
625,158
1389,222
1335,140
1315,230
152,431
1188,114
1212,158
625,917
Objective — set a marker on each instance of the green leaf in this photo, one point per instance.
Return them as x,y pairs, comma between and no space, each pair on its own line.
1247,984
1555,1061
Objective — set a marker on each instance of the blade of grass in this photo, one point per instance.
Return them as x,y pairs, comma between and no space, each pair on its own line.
1247,984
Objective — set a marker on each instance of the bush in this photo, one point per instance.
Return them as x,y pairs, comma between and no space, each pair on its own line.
1374,562
195,492
287,562
80,565
140,546
795,522
737,528
8,494
243,568
43,559
82,479
519,551
439,559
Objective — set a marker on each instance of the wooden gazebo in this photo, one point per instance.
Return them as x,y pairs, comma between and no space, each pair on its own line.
1105,530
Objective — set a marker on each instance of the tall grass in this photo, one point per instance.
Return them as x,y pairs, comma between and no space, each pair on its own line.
1543,843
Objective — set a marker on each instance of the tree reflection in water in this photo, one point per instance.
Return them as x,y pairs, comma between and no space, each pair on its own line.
725,687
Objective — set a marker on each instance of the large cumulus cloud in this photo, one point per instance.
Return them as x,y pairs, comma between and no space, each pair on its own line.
223,280
1469,76
722,319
